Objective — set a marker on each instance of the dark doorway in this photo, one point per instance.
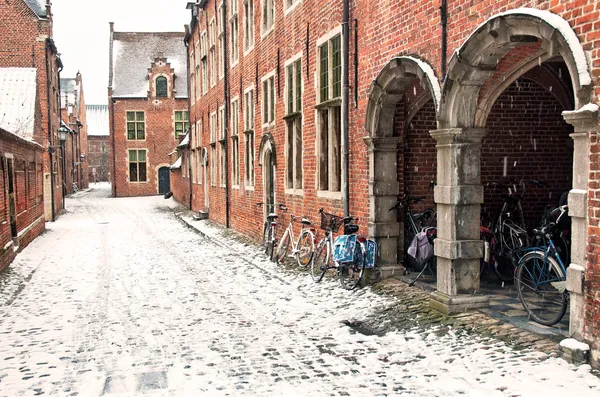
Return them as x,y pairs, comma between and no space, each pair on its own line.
269,182
11,197
164,180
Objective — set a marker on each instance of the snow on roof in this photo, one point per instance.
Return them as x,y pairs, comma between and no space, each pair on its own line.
185,141
37,6
176,165
97,120
133,54
17,100
68,85
558,23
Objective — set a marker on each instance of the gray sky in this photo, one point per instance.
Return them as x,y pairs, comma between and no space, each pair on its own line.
81,33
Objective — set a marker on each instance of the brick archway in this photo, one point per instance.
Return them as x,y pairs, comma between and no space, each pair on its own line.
384,95
498,52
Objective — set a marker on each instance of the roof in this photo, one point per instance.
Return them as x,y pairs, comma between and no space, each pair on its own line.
68,85
185,141
133,54
176,165
17,100
97,120
37,6
69,92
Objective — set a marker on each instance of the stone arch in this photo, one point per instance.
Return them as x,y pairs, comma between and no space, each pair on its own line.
385,93
267,142
464,105
499,51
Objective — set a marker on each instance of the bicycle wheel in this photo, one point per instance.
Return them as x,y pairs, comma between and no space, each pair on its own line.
270,242
283,248
320,261
541,285
351,273
306,248
265,237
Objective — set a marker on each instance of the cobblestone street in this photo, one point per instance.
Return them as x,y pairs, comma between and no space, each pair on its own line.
145,306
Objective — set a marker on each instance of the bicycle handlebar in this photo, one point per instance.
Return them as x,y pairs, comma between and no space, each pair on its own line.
407,201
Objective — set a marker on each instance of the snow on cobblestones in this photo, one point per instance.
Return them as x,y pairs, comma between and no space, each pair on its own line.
119,299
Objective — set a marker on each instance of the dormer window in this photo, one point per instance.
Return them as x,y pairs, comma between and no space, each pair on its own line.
161,87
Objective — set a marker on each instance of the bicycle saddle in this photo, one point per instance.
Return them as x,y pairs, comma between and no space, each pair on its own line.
542,231
305,221
272,216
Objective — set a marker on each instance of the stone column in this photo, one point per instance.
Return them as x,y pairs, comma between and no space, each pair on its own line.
383,193
458,196
584,123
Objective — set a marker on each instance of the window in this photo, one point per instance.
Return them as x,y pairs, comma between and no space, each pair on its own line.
268,103
204,63
213,149
137,165
235,142
268,16
200,161
233,22
222,51
222,147
293,142
248,25
161,87
213,54
136,128
329,115
249,135
289,5
181,123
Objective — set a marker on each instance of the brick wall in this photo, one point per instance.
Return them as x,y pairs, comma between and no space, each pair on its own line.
98,158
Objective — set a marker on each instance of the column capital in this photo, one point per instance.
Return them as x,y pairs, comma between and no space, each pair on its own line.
458,135
377,144
583,120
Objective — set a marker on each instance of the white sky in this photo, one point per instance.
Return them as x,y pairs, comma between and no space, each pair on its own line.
81,33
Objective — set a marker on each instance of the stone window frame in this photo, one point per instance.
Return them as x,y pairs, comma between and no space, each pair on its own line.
221,39
213,148
212,52
268,99
328,116
268,8
294,120
192,151
249,31
200,161
249,137
222,147
290,5
234,36
184,123
135,122
204,61
161,94
235,142
129,162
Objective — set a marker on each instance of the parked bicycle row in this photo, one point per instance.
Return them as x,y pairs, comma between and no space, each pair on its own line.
348,254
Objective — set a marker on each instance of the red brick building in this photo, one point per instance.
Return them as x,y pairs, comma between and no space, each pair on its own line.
461,93
21,162
98,143
26,42
75,147
148,109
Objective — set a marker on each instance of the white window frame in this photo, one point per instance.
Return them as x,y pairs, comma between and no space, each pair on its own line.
294,117
249,155
204,61
212,52
249,31
326,39
265,119
235,142
213,148
147,162
265,29
221,39
186,122
199,150
291,7
222,148
234,36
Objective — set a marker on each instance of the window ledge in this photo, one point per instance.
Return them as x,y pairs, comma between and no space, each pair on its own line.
329,103
292,7
268,125
326,194
264,34
291,116
236,187
248,51
138,182
294,192
234,64
249,188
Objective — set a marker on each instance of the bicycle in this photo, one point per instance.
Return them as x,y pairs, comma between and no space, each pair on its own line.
541,278
303,248
269,232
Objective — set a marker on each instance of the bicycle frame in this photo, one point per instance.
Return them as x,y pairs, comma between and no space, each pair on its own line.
550,249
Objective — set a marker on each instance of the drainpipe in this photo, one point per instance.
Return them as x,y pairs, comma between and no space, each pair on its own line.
226,121
345,139
62,190
444,22
112,122
48,48
189,103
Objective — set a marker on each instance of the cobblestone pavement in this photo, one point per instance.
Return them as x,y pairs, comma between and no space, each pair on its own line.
117,298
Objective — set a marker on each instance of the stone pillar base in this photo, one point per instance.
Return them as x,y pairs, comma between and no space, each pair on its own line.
457,304
574,352
392,271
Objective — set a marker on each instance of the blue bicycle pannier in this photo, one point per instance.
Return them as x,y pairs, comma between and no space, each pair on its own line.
370,253
344,248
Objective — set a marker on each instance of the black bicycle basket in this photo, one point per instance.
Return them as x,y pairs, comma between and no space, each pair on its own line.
350,229
330,222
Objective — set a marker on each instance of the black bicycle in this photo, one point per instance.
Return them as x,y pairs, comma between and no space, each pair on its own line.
269,239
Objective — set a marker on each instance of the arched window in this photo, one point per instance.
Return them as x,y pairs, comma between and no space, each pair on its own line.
161,86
